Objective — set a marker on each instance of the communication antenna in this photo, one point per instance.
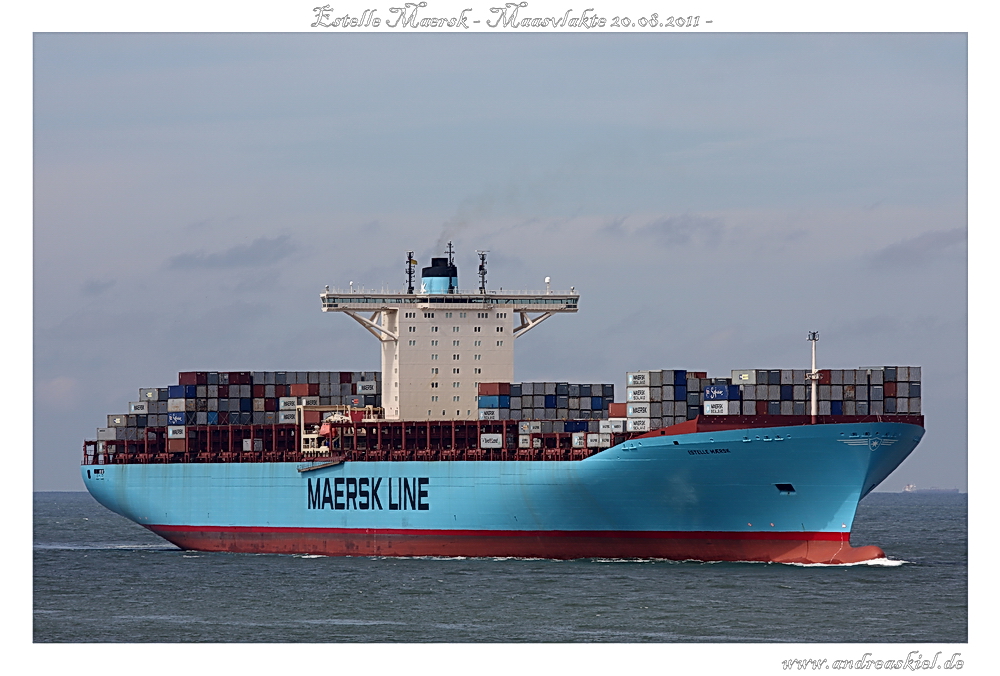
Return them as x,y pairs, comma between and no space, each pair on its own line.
482,270
813,376
547,281
410,262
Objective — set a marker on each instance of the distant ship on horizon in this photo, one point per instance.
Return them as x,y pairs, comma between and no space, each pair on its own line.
912,488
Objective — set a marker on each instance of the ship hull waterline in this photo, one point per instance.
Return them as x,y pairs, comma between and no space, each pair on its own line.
777,495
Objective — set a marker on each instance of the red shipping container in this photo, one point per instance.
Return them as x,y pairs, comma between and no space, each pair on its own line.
300,390
697,374
177,445
201,377
761,408
345,377
617,410
824,377
258,391
223,391
313,389
187,378
504,389
312,417
890,389
270,404
490,389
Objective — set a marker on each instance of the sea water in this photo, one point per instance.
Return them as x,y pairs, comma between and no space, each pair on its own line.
101,578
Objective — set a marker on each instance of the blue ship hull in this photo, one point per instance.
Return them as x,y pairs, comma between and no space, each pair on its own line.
765,494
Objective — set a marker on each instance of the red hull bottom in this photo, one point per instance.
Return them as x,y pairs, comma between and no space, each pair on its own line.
829,548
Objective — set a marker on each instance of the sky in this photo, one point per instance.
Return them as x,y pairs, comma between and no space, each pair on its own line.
712,197
181,198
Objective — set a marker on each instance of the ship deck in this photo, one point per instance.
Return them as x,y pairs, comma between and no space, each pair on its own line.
400,441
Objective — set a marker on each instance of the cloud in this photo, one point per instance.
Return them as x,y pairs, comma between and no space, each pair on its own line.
684,229
94,287
59,391
262,251
918,250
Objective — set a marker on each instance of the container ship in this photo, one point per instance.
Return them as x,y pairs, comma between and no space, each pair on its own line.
441,454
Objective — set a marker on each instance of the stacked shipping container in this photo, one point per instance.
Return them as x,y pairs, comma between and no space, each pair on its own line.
237,398
864,391
545,401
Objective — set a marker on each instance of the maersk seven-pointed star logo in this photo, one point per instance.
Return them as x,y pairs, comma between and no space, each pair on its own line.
872,443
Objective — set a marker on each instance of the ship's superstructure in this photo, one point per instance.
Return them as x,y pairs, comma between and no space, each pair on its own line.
438,344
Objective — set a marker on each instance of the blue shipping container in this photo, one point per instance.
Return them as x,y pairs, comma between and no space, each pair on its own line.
734,392
504,400
596,404
680,378
490,401
175,418
190,391
550,401
246,405
176,392
786,392
836,408
716,392
213,417
576,426
681,391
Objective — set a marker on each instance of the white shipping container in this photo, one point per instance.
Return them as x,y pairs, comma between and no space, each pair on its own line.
176,405
287,403
117,420
638,410
286,417
253,444
489,414
368,388
490,441
176,432
106,433
148,393
638,425
138,407
745,377
604,440
309,401
637,394
579,439
716,408
524,441
593,440
637,379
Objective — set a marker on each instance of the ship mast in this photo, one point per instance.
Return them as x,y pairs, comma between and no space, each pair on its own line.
482,270
813,376
410,262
